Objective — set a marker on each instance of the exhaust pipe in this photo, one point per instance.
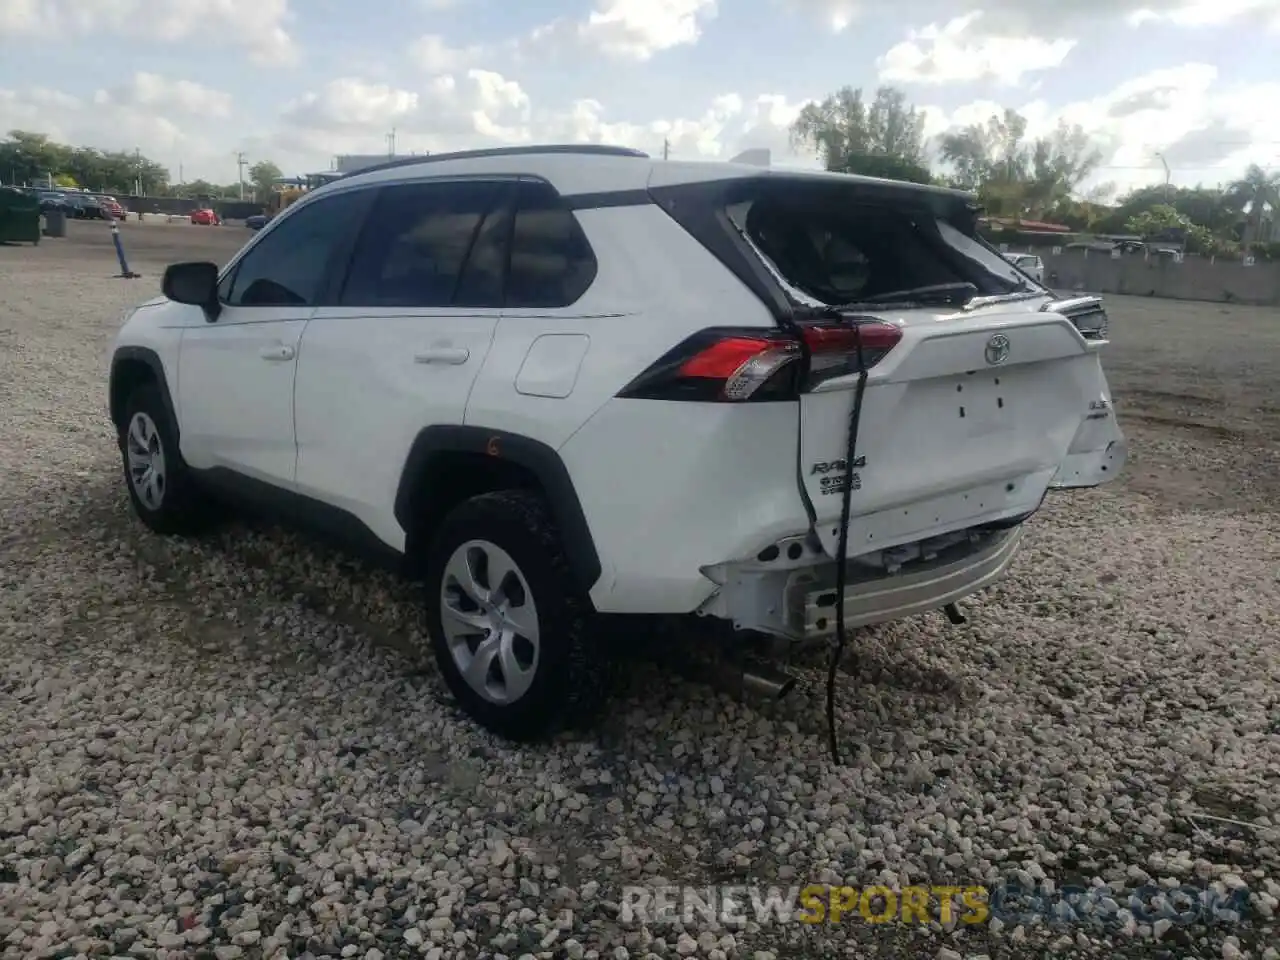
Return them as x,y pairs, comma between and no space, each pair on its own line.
771,685
758,682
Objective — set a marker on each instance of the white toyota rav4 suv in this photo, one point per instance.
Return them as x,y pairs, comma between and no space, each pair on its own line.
564,382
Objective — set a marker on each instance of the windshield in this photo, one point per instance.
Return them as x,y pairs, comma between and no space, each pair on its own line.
863,252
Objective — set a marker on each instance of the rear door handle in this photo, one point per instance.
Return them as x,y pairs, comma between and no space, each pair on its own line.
279,352
453,355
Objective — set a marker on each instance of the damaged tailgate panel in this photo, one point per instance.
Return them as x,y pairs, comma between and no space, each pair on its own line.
968,421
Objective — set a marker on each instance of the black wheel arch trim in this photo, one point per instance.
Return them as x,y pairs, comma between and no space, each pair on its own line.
151,359
535,456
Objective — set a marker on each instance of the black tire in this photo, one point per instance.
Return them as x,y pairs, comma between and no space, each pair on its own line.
572,678
183,508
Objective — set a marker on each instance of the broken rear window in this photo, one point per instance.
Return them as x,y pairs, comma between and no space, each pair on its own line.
836,245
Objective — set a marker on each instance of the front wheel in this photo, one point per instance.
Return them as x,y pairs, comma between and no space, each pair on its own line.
164,494
509,626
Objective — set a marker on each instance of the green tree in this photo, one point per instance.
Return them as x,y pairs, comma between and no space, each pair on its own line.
201,188
1255,195
1164,219
986,153
27,157
884,138
1016,177
1207,207
1060,163
263,175
33,157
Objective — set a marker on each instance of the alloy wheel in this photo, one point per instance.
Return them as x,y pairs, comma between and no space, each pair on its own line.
490,621
145,453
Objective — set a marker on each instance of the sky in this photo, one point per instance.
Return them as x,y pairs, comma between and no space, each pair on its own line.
193,83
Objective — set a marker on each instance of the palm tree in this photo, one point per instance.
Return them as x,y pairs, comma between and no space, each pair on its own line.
1254,193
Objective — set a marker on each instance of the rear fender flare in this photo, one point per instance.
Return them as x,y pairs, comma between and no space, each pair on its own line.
542,461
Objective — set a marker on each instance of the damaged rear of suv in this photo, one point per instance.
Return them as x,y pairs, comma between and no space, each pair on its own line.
981,391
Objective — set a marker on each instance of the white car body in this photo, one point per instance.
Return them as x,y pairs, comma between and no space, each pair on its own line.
666,506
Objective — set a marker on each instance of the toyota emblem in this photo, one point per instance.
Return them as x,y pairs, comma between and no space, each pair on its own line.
997,349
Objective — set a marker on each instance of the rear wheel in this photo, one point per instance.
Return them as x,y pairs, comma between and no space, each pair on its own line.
510,629
164,494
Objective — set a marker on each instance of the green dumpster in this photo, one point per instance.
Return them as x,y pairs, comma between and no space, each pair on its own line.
19,216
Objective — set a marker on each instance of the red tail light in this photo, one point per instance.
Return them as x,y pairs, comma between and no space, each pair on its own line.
833,349
730,365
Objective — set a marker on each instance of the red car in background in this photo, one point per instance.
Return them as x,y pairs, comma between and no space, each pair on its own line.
205,217
111,207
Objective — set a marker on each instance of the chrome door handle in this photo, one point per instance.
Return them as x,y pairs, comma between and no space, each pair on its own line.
453,355
280,352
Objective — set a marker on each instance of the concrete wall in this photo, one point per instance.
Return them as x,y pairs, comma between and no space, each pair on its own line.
1195,278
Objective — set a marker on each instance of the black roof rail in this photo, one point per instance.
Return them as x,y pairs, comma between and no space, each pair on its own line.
587,149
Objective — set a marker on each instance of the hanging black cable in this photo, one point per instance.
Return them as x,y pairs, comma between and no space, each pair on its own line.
846,499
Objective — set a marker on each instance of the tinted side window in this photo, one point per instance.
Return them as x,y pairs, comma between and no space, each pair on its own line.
290,265
551,262
418,238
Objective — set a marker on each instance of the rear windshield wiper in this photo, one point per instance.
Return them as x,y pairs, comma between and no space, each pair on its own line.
934,293
956,294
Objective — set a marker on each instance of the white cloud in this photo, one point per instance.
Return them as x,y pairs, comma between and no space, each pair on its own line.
1050,16
351,104
635,30
482,108
170,135
152,92
960,51
1209,13
1206,128
434,54
256,25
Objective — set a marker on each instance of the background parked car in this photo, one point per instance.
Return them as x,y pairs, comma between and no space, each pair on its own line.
55,200
111,207
86,207
1029,264
206,216
257,221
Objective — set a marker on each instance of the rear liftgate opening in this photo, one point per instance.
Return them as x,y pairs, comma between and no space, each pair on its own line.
751,365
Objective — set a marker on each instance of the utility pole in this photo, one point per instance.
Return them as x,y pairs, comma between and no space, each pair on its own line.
240,165
1167,175
137,167
391,143
666,149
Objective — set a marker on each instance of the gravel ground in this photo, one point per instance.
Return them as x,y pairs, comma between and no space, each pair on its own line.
237,748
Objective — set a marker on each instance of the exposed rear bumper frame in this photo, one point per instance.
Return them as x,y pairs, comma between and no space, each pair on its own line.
797,602
930,585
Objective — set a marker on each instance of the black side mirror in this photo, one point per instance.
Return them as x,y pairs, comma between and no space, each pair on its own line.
194,283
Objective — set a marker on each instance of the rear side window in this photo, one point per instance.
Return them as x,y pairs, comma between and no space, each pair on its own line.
437,244
290,266
834,246
552,264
